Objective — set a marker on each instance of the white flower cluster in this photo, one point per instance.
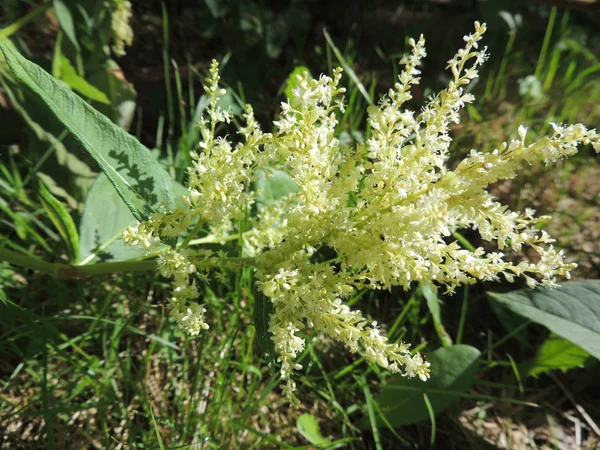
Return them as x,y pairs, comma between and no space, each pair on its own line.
386,208
122,31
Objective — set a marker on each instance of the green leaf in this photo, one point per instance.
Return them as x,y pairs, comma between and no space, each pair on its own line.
433,304
511,322
572,311
57,191
79,84
263,308
65,19
556,353
273,188
121,95
105,216
136,175
72,172
453,371
104,219
308,427
61,219
292,81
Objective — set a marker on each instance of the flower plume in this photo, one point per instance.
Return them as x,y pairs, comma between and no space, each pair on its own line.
386,208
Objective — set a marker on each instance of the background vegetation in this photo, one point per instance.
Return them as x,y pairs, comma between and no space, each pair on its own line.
95,363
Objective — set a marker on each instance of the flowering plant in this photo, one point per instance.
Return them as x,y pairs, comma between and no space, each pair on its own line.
386,207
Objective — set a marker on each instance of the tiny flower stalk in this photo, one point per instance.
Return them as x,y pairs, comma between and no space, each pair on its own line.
388,208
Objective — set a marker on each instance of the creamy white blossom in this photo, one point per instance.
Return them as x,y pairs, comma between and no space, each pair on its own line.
386,208
122,32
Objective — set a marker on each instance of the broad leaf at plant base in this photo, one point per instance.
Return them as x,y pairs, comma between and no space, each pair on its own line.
453,371
136,175
571,311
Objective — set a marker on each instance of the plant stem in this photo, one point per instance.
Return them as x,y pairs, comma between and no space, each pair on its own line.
463,315
546,44
193,233
63,271
214,239
29,262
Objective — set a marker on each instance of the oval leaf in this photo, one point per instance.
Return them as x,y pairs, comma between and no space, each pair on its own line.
453,371
61,219
136,175
571,311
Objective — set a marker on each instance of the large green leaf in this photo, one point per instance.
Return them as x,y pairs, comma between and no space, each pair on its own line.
556,353
453,371
136,175
104,219
274,187
105,216
571,311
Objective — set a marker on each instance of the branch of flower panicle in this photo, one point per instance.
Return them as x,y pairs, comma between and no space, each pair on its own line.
212,239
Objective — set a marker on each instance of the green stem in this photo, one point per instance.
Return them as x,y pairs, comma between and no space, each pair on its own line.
29,262
464,241
71,271
463,315
193,233
59,270
101,248
216,262
214,239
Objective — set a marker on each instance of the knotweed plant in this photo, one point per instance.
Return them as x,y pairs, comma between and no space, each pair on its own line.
386,208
